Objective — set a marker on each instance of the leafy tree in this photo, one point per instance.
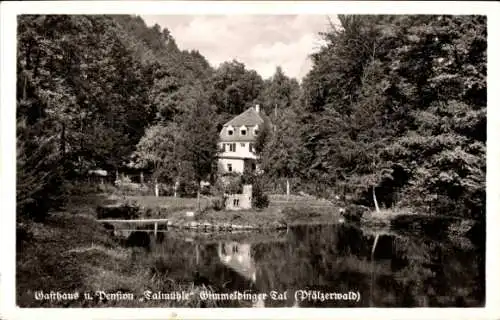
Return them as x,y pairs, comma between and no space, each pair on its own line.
40,176
158,150
394,108
234,88
282,156
199,140
279,93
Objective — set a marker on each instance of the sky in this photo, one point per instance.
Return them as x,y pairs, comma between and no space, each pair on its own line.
261,42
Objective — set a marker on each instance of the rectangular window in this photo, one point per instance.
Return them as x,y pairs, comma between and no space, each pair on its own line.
229,167
251,147
242,145
236,202
232,147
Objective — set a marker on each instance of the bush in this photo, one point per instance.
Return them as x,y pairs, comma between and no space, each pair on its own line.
260,200
229,183
248,178
234,186
206,190
354,212
187,189
217,189
218,203
126,211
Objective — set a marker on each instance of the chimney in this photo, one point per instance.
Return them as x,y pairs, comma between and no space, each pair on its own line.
257,108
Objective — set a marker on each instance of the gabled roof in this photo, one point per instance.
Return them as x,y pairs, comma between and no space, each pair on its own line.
249,117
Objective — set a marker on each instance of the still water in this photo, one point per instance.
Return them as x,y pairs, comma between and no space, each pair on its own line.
319,266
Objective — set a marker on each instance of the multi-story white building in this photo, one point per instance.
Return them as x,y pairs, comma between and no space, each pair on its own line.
237,141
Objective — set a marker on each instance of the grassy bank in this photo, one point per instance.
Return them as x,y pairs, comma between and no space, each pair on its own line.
281,212
286,211
71,252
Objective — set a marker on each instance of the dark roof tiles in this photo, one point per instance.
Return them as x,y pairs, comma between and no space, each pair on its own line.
248,118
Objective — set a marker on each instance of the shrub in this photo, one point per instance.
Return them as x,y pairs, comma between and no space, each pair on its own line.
234,186
206,190
217,189
248,178
259,198
126,211
187,189
354,212
218,203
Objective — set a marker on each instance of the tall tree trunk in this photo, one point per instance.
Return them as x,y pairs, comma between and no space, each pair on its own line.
176,185
375,200
198,196
287,190
157,190
198,200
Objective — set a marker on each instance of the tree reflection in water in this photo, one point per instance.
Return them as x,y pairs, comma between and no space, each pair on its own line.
403,271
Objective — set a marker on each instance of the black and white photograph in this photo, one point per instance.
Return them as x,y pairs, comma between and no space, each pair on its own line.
241,160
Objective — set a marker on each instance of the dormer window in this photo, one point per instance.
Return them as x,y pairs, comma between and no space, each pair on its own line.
230,131
243,131
256,130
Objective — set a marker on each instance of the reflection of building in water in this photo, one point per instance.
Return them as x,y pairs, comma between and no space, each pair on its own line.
238,257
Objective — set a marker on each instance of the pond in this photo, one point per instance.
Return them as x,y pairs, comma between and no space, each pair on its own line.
316,266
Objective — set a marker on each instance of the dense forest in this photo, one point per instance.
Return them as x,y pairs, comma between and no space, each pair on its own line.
392,113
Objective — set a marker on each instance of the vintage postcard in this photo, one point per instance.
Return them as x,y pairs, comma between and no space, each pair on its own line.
291,159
